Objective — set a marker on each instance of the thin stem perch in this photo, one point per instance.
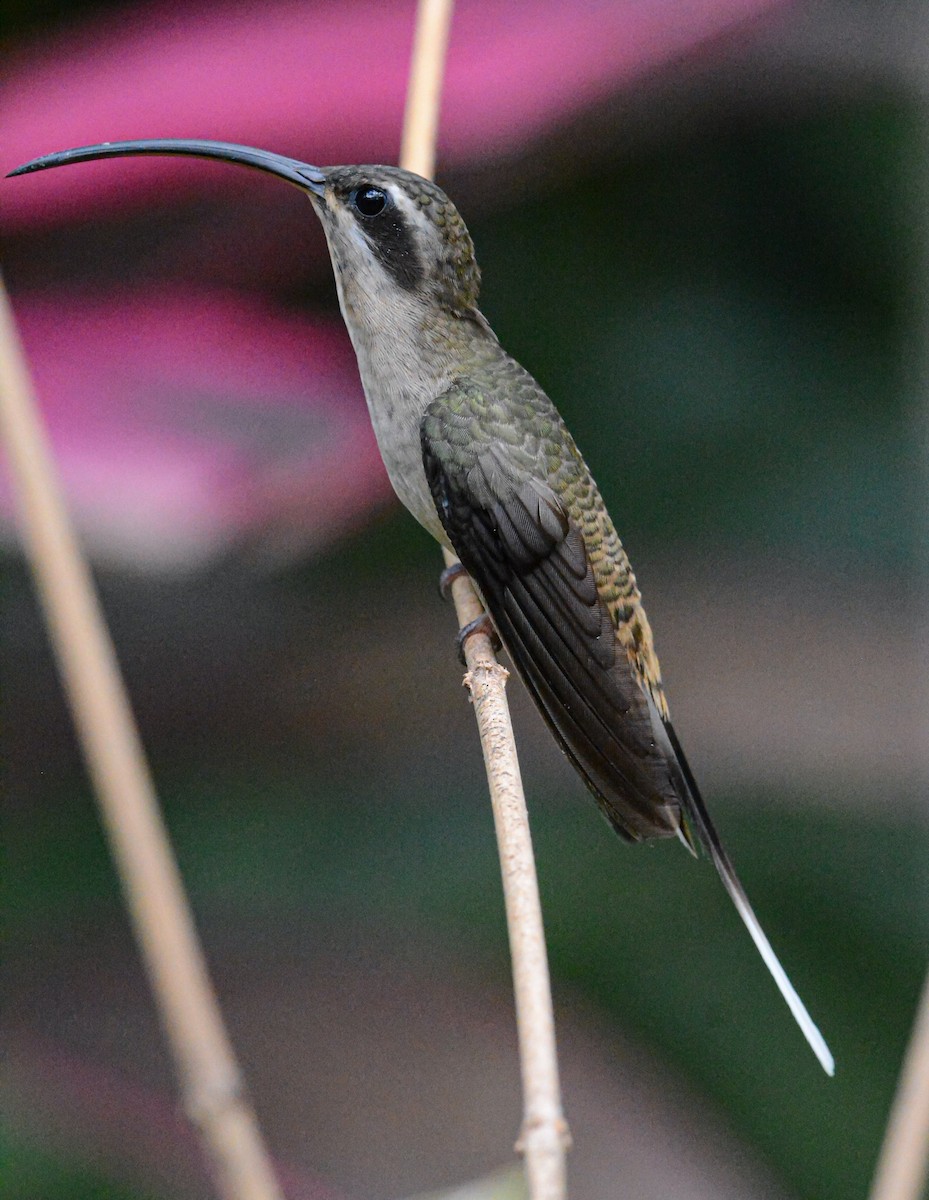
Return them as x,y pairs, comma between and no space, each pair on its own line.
544,1138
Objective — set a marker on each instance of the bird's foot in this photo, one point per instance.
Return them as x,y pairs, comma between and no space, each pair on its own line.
448,577
481,624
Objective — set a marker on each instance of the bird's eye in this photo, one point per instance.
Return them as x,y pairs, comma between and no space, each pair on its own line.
370,200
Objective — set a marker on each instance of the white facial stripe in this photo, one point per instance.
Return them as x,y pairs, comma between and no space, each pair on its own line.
411,212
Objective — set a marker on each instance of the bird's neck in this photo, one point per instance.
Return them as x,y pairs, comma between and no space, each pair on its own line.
406,343
409,352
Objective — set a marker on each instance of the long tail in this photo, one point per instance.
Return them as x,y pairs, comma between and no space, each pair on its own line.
714,847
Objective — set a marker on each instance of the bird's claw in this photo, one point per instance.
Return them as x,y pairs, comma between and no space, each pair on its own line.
448,577
481,624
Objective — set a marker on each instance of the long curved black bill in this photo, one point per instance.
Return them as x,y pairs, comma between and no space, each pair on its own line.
301,174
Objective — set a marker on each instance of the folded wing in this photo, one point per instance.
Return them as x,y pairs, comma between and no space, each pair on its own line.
531,565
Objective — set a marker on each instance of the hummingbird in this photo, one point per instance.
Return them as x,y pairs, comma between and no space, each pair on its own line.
481,457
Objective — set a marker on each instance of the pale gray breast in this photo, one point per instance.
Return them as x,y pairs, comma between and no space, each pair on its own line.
401,378
396,417
404,364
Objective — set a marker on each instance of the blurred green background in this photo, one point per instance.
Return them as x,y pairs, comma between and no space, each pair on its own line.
726,301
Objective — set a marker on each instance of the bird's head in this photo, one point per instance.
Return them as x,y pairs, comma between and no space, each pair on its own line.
388,230
394,229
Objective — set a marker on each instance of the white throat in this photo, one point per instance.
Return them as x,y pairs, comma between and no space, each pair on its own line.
401,359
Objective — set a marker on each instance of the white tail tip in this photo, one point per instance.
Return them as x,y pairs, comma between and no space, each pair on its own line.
788,991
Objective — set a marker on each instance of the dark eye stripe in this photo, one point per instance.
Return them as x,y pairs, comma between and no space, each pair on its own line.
393,242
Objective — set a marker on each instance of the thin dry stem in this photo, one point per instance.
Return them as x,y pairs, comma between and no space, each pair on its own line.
210,1079
544,1137
902,1165
423,99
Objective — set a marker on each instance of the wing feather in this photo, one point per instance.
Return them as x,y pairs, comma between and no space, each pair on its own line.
531,564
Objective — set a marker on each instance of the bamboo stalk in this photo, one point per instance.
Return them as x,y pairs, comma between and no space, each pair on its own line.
209,1076
544,1137
902,1165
